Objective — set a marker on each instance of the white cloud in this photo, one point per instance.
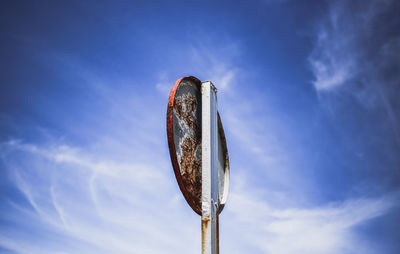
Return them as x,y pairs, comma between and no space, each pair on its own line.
355,55
109,206
342,43
333,60
330,74
328,228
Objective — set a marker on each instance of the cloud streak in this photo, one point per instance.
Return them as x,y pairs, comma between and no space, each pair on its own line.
110,206
325,229
116,207
355,56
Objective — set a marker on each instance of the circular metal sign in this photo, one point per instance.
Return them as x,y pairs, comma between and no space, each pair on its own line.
184,141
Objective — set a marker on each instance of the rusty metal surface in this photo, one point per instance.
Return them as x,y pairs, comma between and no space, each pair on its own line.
184,140
205,224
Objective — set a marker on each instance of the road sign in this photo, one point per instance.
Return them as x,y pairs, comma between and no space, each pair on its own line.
198,151
184,126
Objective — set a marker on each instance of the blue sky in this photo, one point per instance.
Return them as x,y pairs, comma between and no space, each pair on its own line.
308,94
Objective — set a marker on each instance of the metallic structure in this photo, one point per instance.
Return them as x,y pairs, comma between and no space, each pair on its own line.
209,193
199,154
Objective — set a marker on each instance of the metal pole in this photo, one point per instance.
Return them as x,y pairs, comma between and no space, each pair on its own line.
209,194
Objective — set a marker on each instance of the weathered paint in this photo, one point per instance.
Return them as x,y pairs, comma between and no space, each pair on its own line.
184,138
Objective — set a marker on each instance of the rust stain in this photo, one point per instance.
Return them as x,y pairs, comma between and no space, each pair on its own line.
185,109
205,223
191,169
190,159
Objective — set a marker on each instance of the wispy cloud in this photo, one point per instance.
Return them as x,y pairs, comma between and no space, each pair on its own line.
329,228
342,51
111,206
116,207
355,55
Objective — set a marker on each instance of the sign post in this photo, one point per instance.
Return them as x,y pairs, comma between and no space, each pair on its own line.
199,153
209,193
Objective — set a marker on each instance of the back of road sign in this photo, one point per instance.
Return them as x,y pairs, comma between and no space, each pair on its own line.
184,141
